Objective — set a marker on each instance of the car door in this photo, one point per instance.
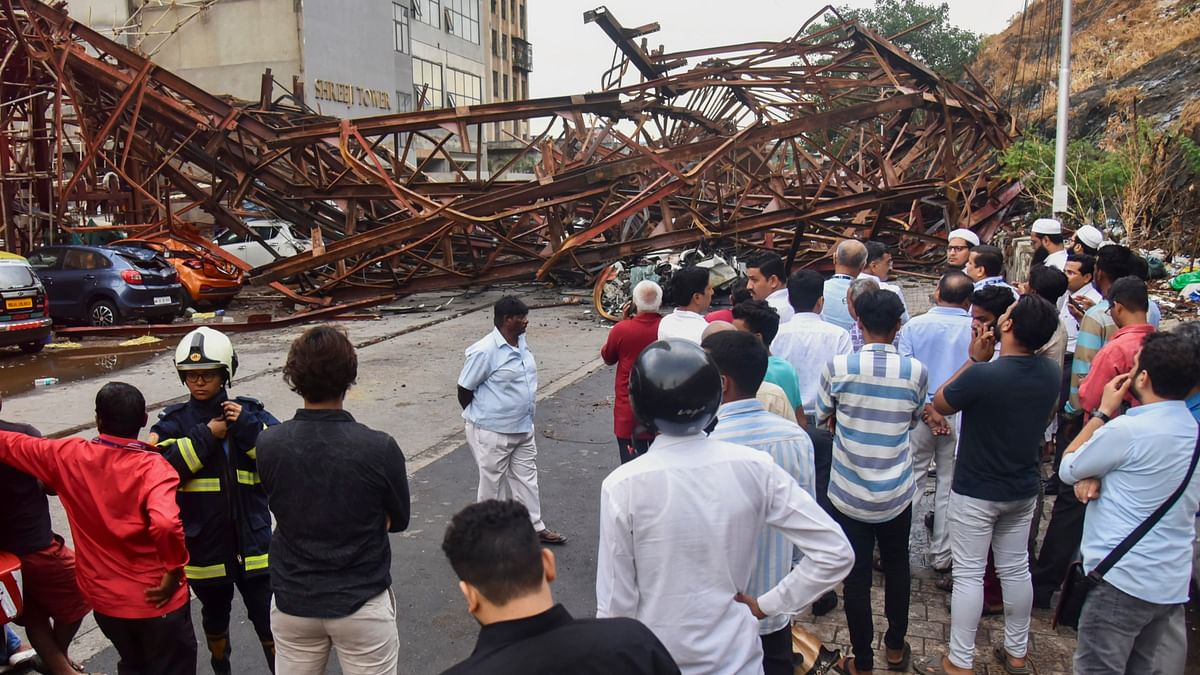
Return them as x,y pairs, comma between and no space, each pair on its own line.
77,280
47,263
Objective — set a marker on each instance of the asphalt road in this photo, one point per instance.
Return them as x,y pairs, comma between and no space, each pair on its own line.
576,450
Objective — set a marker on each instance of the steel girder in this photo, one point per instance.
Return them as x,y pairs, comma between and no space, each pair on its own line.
786,145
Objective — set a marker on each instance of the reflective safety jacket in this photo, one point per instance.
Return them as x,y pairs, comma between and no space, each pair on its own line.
221,498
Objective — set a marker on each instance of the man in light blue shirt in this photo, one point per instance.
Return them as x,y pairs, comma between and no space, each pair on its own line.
741,419
849,259
940,339
497,389
1124,470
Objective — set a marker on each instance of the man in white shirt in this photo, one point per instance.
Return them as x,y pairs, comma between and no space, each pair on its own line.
1049,243
1079,270
767,280
986,268
939,339
691,291
879,268
958,247
807,342
679,526
849,258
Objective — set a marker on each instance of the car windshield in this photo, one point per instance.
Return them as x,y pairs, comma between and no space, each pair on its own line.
229,237
15,276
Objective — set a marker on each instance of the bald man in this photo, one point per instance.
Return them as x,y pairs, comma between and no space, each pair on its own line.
849,259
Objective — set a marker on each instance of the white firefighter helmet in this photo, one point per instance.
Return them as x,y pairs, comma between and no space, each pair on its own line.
206,349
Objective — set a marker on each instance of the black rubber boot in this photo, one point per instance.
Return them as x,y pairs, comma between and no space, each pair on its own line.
219,647
268,647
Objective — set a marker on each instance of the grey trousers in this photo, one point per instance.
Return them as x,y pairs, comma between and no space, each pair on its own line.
1119,633
975,526
927,448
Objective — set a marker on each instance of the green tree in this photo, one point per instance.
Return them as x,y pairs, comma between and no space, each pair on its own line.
940,45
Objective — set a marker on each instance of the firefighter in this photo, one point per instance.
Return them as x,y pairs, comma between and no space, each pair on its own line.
210,440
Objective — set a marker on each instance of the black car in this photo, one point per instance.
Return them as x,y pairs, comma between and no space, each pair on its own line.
104,285
23,319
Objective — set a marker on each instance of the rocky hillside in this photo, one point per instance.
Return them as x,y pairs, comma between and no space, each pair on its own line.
1123,52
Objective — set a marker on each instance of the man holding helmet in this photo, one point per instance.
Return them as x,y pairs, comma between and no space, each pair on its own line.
211,441
679,527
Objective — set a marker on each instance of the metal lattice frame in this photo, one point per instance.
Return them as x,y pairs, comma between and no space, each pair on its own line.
785,145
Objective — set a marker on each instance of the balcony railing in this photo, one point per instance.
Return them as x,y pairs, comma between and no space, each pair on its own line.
522,53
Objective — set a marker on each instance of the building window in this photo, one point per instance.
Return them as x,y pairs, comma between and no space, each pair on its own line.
506,87
462,19
428,11
495,43
493,7
495,84
403,102
523,32
400,27
427,84
463,88
504,47
503,10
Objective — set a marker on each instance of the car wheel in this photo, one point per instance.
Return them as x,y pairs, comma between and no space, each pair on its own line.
185,301
222,303
161,318
103,313
32,347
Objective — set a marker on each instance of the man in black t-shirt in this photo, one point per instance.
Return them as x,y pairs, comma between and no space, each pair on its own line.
1005,405
506,576
54,607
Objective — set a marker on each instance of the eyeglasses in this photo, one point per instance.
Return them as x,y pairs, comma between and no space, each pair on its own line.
196,377
958,249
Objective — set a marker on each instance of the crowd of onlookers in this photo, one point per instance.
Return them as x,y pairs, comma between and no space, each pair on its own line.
773,457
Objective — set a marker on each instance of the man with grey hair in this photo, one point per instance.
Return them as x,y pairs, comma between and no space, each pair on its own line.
857,289
625,342
849,259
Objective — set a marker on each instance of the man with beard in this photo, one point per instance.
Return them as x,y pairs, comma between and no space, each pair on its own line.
1124,469
958,248
1048,243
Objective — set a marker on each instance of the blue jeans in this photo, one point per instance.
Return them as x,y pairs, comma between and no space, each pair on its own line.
1119,633
10,645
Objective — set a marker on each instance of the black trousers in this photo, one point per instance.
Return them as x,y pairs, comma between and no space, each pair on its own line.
630,448
164,645
892,537
777,652
822,442
1060,545
216,602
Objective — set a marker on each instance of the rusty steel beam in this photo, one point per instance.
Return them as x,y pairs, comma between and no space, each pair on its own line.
784,145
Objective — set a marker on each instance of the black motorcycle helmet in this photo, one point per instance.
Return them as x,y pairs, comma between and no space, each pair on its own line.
675,388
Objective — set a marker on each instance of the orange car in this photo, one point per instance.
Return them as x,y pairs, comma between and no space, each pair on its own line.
208,280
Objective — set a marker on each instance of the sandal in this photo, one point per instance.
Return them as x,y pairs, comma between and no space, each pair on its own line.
845,666
1002,657
929,665
905,662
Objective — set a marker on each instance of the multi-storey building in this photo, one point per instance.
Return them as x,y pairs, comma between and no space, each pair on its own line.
509,60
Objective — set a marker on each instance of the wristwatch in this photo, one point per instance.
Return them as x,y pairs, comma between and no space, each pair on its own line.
1101,415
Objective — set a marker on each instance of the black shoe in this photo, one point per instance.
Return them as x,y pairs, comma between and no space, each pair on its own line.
929,521
825,604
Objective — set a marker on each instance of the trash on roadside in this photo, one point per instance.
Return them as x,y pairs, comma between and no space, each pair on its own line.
64,345
45,381
203,316
143,340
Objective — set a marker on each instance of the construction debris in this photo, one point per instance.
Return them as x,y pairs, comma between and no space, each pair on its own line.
786,145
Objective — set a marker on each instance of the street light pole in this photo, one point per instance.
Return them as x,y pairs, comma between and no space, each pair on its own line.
1064,99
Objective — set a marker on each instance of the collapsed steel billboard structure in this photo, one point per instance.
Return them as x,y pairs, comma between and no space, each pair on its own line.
786,145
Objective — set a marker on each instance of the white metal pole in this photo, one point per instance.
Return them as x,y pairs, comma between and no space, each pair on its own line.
1064,100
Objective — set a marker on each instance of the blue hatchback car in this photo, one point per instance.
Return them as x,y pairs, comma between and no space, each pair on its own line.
105,285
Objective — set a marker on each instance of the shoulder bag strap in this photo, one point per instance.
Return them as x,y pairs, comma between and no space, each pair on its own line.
1134,537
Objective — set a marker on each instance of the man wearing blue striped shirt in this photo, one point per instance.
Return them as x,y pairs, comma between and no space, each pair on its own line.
876,397
742,359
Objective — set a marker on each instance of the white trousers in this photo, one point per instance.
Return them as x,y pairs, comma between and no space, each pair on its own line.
367,641
928,448
507,468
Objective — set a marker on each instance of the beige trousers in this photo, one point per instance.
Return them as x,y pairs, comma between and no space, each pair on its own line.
367,641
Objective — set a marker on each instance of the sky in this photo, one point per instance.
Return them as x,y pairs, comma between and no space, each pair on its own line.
569,56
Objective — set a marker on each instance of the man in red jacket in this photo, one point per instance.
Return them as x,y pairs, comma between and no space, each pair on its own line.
119,495
626,340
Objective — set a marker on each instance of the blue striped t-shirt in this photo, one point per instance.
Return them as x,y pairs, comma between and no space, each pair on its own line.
877,396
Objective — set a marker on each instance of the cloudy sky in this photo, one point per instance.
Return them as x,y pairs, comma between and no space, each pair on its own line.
569,56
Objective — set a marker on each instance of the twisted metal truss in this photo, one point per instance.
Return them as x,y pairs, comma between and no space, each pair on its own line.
786,145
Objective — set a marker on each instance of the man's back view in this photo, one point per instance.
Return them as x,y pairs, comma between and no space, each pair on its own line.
505,578
679,526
